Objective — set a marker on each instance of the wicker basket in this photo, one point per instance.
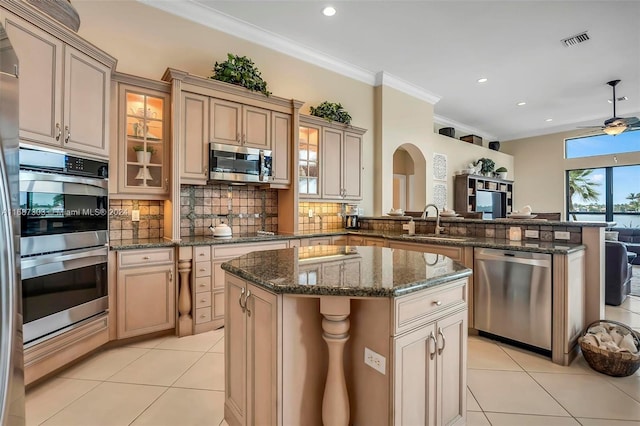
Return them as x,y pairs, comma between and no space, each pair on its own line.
617,364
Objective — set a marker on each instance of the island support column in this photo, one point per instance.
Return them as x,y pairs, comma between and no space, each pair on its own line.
335,327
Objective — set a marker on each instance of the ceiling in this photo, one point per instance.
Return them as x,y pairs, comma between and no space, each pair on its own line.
437,50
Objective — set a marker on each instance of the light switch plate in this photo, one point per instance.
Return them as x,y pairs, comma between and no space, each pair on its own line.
561,235
135,215
375,360
531,233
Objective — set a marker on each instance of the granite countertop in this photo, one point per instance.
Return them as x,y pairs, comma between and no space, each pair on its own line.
502,221
345,270
524,245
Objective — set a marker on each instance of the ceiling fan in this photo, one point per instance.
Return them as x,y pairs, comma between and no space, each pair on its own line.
616,125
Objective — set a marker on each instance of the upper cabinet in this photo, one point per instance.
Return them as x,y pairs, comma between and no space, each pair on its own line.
236,124
142,128
329,160
209,111
64,83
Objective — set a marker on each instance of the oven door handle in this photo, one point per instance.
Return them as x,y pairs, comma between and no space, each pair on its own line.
47,264
26,176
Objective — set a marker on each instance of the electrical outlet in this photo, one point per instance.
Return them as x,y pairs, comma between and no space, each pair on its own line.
135,215
561,235
530,233
310,212
375,360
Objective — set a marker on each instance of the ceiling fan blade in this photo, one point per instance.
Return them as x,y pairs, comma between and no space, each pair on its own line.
631,121
590,127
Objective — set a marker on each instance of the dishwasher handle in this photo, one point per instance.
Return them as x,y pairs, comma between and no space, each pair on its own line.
513,258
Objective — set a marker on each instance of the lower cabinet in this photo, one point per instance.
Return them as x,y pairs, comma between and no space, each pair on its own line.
430,373
251,335
146,291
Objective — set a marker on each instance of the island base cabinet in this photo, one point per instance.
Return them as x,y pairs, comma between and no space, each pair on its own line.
251,335
430,373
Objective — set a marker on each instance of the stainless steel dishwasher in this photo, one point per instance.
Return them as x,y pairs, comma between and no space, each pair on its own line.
512,295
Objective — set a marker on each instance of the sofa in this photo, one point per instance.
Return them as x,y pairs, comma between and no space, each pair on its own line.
617,273
631,238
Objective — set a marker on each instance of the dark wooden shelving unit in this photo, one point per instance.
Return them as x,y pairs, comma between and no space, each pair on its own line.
466,189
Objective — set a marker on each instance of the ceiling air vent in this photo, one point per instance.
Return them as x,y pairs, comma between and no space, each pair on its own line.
576,39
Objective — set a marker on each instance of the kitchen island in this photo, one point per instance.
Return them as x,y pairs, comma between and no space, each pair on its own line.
343,334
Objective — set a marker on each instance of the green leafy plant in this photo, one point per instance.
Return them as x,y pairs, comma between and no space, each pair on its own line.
501,170
331,111
241,71
487,165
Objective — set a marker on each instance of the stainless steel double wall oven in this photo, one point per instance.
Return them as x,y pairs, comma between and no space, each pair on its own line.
64,222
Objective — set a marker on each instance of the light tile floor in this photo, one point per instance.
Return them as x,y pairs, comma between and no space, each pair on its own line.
171,381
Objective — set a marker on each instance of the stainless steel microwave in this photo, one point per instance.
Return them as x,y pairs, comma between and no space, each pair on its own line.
239,164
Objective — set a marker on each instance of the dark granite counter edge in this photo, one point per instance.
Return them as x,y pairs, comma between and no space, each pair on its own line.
557,248
346,291
500,221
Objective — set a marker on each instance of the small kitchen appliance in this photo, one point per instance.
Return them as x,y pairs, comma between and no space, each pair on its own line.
351,220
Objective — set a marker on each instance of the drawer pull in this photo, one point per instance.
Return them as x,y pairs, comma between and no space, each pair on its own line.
202,285
202,269
437,302
203,300
201,254
203,316
145,258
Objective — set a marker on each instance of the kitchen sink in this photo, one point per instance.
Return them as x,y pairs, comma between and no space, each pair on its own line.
435,237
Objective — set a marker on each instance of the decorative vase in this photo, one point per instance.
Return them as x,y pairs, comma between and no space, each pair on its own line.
144,157
495,145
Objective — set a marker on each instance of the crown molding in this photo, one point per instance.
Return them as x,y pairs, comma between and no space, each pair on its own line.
384,78
217,20
446,122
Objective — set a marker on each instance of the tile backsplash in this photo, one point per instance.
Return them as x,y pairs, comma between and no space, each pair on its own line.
246,209
325,216
151,224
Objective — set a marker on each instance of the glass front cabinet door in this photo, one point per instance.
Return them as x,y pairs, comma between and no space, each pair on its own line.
143,166
308,168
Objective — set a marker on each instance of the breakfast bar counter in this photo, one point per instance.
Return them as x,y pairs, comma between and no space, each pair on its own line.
345,335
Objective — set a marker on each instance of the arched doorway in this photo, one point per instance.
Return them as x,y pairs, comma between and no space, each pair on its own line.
409,178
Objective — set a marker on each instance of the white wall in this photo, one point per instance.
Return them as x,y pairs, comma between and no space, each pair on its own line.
541,168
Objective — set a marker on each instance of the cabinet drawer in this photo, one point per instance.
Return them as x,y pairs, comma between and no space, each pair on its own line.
202,284
201,253
145,257
203,300
234,250
415,309
203,315
203,269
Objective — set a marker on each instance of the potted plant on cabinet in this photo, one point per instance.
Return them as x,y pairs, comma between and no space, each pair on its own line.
488,165
241,71
501,172
144,156
331,111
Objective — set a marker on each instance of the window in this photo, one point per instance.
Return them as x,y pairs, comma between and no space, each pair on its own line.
604,194
590,146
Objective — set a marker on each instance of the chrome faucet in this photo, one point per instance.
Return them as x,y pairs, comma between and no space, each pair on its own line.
424,216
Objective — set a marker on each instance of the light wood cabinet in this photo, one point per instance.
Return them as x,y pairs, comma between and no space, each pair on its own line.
329,160
430,373
64,91
194,132
281,148
143,138
251,334
233,123
357,240
145,292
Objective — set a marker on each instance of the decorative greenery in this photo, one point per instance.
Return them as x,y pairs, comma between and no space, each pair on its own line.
241,71
150,149
331,112
501,170
487,165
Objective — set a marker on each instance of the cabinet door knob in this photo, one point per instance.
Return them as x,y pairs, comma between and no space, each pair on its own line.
240,300
59,131
66,139
437,302
238,137
245,302
444,342
145,258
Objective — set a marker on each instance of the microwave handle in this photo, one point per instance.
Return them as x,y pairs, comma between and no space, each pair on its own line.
262,166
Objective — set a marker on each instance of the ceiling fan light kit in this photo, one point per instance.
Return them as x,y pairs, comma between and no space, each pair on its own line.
616,125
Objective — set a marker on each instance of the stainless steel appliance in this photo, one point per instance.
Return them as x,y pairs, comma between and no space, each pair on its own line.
512,295
64,236
239,164
11,348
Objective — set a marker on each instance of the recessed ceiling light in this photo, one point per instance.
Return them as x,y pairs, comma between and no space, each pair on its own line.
548,120
482,80
329,11
521,103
